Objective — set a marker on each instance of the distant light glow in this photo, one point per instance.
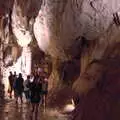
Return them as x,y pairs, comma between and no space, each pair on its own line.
23,65
69,107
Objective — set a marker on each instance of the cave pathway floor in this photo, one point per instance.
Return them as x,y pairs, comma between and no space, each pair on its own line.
12,111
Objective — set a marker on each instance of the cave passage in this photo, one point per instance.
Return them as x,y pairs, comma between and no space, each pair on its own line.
69,53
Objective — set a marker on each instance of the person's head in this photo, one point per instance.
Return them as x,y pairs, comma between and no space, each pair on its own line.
10,72
40,70
20,75
28,76
14,72
45,80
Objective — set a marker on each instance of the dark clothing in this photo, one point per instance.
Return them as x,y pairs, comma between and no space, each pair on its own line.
18,86
35,89
14,78
27,94
11,80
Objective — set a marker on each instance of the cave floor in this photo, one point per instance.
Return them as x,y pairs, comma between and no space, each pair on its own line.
12,111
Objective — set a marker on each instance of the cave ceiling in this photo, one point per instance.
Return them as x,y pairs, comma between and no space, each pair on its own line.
56,24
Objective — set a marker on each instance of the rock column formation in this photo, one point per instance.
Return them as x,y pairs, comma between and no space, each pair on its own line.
22,32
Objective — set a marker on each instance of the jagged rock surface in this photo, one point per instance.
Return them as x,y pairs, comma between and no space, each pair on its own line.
85,30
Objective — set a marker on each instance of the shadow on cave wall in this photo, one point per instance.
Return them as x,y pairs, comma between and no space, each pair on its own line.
68,71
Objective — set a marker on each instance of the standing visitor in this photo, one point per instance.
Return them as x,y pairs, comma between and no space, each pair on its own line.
11,81
14,77
35,98
19,88
44,89
26,87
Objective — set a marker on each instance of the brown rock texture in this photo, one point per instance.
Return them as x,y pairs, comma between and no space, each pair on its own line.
86,31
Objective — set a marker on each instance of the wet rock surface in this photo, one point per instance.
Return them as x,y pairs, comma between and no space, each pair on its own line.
12,111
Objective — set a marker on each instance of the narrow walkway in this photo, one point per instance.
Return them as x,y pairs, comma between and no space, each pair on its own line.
12,111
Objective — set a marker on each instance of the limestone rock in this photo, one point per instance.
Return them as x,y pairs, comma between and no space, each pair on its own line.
85,30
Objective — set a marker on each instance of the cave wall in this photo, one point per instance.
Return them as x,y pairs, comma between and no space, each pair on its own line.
95,20
56,30
64,25
68,30
91,19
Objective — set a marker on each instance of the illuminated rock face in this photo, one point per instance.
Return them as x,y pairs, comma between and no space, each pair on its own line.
19,26
21,30
58,28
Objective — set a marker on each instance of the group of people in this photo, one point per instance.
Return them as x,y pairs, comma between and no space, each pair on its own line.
35,88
